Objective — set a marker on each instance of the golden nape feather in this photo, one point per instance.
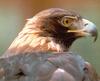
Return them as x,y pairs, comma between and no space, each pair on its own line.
28,40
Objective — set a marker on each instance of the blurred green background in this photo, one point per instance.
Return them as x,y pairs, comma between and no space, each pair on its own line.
13,15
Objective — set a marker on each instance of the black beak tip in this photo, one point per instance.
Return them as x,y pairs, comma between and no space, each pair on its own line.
95,36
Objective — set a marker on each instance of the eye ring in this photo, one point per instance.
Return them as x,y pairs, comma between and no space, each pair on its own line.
67,21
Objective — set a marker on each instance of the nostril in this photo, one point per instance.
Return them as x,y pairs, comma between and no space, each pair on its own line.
86,24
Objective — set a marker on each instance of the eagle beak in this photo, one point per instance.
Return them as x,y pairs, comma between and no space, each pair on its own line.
88,29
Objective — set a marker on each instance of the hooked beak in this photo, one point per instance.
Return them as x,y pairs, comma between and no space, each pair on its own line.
88,29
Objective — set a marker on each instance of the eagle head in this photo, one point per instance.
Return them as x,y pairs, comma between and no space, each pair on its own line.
53,29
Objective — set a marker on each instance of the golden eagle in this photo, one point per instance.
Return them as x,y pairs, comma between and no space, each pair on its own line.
53,31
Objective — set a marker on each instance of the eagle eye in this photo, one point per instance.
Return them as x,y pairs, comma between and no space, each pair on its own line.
67,21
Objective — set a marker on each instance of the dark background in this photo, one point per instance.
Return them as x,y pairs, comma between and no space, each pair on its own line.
13,15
